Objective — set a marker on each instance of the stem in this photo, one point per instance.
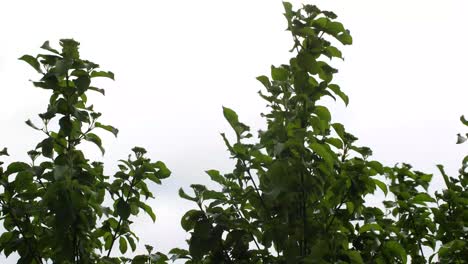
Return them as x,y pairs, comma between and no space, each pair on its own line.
114,237
117,229
336,208
255,185
304,217
419,240
69,148
239,212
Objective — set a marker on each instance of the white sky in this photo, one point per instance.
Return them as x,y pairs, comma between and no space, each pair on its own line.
178,62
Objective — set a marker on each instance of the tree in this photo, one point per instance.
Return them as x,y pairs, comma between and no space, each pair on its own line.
297,193
54,208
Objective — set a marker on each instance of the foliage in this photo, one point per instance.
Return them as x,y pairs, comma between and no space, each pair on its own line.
53,208
297,193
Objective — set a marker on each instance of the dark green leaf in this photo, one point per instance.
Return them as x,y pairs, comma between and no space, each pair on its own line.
336,89
422,198
264,80
99,90
324,153
109,128
460,139
122,209
122,245
4,152
397,250
216,176
345,38
148,210
463,120
182,194
17,167
279,74
32,61
381,185
29,123
107,74
96,140
46,46
163,171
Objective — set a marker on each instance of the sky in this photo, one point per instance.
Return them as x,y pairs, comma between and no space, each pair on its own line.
178,62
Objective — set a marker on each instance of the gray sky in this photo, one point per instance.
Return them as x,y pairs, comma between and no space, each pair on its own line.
178,62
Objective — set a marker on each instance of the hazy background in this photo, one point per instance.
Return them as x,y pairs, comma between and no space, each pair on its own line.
177,62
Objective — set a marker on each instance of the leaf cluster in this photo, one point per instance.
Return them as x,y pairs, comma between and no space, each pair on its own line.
53,208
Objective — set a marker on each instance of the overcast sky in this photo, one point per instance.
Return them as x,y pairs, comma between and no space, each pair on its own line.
177,62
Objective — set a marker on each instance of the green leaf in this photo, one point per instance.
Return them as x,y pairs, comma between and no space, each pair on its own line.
288,10
323,113
23,180
334,52
122,209
66,125
370,227
230,116
61,172
340,131
140,259
46,46
148,210
447,181
460,139
216,176
149,249
377,166
107,74
32,61
306,60
96,140
122,245
345,38
17,167
82,83
336,89
233,120
29,123
335,27
324,153
188,220
131,242
264,80
109,128
337,143
422,198
279,74
4,152
213,195
381,185
163,171
463,120
355,257
184,195
99,90
70,48
47,146
397,250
